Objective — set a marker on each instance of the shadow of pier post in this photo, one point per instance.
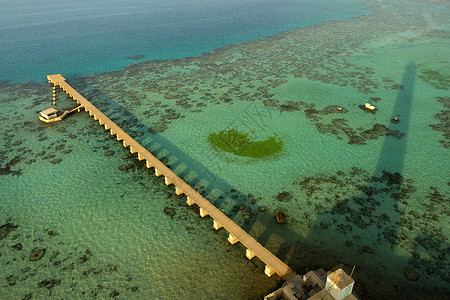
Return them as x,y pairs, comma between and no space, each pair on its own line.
390,163
157,144
374,213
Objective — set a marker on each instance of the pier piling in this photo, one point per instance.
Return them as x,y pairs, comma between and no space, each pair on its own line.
236,233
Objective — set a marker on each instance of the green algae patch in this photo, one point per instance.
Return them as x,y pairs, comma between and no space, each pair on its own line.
242,144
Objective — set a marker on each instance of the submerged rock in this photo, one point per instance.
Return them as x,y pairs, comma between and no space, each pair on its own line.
56,161
52,233
284,196
169,211
355,139
366,249
125,167
411,275
173,96
49,284
28,296
17,246
6,229
270,103
36,254
157,128
173,116
86,256
262,208
109,153
114,294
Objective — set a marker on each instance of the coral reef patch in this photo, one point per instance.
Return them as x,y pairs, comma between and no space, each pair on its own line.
444,121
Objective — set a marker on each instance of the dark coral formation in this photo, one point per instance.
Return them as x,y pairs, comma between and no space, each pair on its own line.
169,211
325,123
284,196
125,167
381,204
444,121
37,254
6,168
435,78
44,260
17,246
150,97
86,256
379,130
6,229
49,283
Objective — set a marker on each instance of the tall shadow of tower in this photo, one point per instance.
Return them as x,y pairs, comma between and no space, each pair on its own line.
388,170
393,151
372,215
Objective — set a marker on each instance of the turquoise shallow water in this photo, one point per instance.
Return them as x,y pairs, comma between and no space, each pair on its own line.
354,187
86,37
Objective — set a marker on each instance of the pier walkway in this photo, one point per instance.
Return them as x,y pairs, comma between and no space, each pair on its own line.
236,233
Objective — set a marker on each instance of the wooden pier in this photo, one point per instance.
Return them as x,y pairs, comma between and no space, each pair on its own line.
236,233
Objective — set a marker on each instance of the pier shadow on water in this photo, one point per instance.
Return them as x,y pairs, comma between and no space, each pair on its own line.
372,228
371,218
196,173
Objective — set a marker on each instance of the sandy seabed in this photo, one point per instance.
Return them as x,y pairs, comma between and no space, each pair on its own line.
355,188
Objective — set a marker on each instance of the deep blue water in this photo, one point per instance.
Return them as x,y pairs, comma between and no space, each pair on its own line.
87,37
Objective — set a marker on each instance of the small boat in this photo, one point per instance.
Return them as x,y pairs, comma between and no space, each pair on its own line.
369,106
280,217
51,115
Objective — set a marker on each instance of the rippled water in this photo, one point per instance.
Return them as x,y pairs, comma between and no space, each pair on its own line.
86,37
354,187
